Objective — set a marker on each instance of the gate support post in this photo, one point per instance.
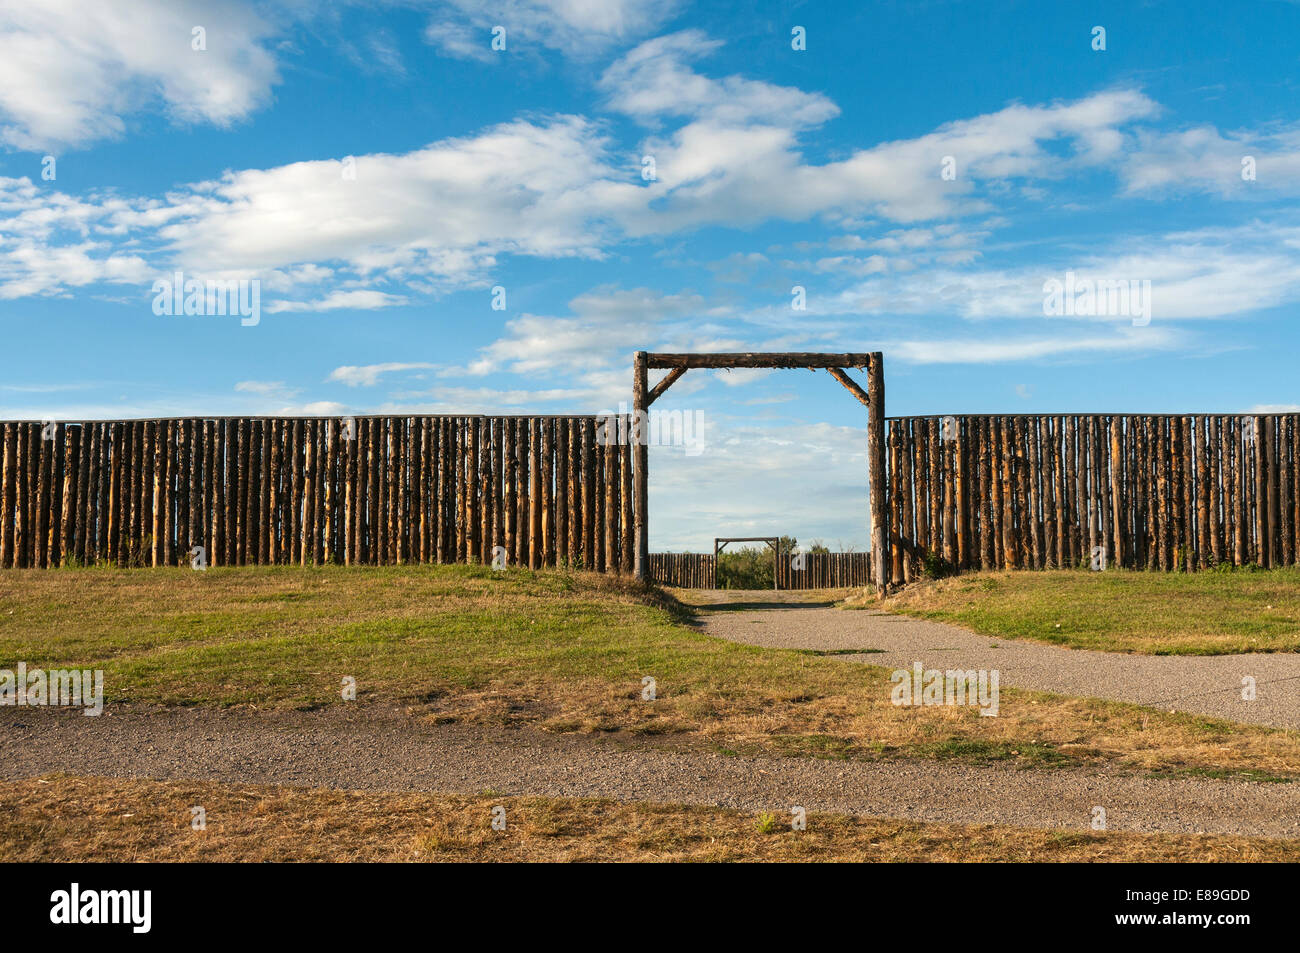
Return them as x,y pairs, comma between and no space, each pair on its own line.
876,472
640,438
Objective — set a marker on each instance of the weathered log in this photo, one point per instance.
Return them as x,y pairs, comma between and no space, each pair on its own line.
65,536
8,491
1286,538
1117,458
307,535
627,545
755,360
1033,435
523,508
486,492
1272,500
44,460
875,464
546,551
909,483
609,497
588,494
575,493
961,449
914,460
1260,501
87,498
894,507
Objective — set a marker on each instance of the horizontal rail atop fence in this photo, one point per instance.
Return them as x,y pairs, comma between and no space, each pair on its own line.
1142,491
374,490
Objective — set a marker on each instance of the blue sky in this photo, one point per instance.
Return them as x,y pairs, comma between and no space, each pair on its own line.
523,169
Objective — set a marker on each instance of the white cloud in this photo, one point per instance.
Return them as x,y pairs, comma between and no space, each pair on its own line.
1209,273
370,374
487,400
1202,159
444,217
441,214
50,242
359,300
318,408
737,160
1005,349
739,377
591,349
806,480
606,326
272,389
580,28
74,71
28,269
653,81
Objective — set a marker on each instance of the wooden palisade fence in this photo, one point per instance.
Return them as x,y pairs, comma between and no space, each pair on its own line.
824,571
819,570
384,490
685,570
1159,492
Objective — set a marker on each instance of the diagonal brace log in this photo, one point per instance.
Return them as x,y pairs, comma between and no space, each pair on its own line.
839,374
658,390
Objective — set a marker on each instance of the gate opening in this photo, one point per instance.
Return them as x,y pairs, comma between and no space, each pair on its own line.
873,398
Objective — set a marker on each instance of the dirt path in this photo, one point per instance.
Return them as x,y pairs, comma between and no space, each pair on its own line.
382,749
1200,684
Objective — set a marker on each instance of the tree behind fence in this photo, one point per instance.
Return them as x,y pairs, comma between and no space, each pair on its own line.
1163,492
538,491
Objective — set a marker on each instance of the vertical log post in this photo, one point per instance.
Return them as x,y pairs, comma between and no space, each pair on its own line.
876,469
641,467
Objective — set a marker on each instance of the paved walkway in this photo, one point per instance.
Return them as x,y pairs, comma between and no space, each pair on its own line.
1200,684
371,748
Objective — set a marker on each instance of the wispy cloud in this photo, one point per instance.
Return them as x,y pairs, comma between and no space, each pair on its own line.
370,374
360,300
464,28
1027,348
273,389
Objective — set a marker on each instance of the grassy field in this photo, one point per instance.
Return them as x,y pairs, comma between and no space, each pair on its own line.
556,652
60,818
1205,613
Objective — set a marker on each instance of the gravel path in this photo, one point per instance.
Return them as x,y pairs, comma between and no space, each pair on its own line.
1200,684
367,747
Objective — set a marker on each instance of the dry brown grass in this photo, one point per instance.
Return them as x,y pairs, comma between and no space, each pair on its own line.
61,818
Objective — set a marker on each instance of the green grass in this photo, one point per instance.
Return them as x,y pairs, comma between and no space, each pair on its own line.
1206,613
975,751
286,637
